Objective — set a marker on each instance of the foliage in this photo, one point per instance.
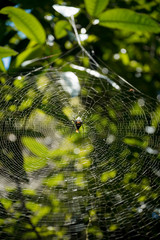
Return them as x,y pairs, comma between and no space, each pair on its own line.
73,164
5,52
26,23
138,63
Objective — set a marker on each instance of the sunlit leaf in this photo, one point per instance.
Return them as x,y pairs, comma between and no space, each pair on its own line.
113,227
2,68
34,163
6,203
40,213
55,180
65,10
28,53
79,181
128,20
95,7
27,103
30,192
6,52
35,147
108,175
26,23
129,176
135,142
60,28
156,117
136,109
33,206
142,199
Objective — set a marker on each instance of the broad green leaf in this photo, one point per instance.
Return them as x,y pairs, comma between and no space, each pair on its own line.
35,207
156,117
95,7
35,147
2,68
7,203
6,52
26,23
55,180
43,211
135,142
60,28
34,163
128,20
29,53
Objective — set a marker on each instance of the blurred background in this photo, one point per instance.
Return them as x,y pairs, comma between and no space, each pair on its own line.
103,67
133,55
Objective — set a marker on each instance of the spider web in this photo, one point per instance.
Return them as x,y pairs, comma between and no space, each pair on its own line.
101,183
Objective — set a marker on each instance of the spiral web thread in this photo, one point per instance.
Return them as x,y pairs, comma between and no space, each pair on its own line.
100,183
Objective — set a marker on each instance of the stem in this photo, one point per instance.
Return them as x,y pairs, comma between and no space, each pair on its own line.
72,22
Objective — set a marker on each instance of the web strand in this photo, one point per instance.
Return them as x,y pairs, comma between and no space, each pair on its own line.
100,183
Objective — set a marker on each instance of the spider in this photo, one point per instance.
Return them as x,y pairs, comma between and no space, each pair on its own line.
78,123
131,90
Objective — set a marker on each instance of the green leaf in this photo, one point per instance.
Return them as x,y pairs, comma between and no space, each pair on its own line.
26,23
60,28
34,163
55,180
113,227
2,68
108,175
142,199
6,52
95,7
128,20
35,147
135,142
29,53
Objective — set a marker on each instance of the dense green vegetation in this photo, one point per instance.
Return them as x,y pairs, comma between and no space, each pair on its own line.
101,183
138,34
